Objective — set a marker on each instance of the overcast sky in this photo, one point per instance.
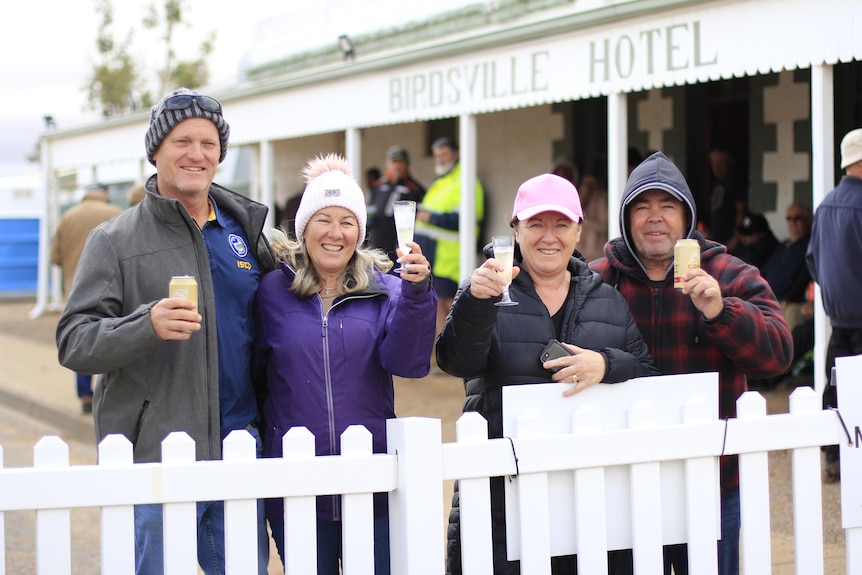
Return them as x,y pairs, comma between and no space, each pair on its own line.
47,49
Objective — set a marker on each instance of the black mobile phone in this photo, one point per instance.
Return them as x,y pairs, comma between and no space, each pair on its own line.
553,350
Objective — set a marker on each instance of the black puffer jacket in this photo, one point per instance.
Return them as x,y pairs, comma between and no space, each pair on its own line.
491,346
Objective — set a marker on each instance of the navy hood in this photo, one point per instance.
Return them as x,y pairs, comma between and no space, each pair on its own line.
656,172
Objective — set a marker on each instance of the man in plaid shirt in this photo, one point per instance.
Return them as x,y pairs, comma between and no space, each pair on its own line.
726,319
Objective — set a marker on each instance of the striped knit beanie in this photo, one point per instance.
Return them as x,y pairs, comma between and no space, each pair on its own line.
161,125
334,186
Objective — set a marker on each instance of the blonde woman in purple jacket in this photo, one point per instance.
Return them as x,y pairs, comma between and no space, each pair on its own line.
333,328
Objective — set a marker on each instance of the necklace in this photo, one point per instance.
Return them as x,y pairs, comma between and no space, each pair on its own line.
328,291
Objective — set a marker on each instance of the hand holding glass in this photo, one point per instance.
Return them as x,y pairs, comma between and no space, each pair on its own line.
404,212
504,253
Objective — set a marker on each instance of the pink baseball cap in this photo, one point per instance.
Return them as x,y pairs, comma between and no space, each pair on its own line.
547,193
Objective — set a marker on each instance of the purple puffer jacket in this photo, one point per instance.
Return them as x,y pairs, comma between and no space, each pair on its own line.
327,372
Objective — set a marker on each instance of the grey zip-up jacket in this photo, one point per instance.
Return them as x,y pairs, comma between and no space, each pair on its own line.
149,387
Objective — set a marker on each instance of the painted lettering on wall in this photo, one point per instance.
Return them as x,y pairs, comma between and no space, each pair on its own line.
490,79
671,48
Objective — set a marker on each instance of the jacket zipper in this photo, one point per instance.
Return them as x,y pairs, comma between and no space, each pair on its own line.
333,439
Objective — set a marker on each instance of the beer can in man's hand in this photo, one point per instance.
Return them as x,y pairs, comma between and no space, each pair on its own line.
185,287
686,256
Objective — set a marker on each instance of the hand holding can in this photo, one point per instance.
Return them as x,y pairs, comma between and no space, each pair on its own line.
185,287
686,256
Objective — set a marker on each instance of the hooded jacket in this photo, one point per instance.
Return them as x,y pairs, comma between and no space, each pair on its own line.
327,371
748,338
150,387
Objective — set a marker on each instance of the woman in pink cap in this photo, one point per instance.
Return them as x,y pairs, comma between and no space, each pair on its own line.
558,298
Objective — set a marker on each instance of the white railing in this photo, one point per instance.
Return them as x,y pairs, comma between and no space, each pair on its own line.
413,472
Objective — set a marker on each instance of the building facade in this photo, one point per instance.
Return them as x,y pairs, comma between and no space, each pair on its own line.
522,83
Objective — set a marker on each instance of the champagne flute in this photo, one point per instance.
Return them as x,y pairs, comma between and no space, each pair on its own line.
404,212
504,253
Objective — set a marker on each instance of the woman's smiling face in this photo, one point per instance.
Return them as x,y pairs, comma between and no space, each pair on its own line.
547,241
331,238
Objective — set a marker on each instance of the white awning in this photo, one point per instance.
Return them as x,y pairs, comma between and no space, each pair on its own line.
698,43
694,43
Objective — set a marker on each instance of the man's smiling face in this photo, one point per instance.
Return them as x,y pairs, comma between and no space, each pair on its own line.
656,221
187,158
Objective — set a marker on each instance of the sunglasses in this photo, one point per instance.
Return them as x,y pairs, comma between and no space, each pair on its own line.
183,101
795,218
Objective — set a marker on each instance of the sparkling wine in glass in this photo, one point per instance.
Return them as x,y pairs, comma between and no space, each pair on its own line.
504,252
404,212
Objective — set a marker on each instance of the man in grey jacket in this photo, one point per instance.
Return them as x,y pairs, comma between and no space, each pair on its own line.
168,363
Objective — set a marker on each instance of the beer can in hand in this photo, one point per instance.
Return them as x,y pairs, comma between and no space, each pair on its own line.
686,256
185,287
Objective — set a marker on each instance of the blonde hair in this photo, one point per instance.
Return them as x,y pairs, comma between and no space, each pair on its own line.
356,277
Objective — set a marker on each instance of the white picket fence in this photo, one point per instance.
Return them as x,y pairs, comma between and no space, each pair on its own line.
413,472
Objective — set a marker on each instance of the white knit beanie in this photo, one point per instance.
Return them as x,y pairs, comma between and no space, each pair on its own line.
331,188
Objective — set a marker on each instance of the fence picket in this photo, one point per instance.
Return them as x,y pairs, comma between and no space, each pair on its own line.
532,506
755,547
180,519
807,492
300,513
646,498
240,515
118,521
357,531
702,493
53,527
590,500
474,497
416,509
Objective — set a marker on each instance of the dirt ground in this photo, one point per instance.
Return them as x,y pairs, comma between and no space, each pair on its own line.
441,396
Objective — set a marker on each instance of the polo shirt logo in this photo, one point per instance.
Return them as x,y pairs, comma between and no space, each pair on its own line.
238,245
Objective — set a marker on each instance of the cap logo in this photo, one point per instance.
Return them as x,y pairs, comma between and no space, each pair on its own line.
332,193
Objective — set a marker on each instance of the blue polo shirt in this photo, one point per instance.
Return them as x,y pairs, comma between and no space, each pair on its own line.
236,274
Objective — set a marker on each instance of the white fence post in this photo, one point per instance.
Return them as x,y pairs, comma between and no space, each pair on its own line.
703,497
53,531
240,515
357,525
755,544
118,522
416,506
474,503
646,496
300,513
180,519
807,492
591,524
533,502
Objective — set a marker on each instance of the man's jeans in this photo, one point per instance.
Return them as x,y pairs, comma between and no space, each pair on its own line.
84,384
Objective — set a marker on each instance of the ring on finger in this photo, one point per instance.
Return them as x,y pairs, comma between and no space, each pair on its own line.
574,378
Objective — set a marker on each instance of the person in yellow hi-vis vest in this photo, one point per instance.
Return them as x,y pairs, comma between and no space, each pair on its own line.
437,224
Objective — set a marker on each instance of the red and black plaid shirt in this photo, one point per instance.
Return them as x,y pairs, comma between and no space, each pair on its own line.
748,339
